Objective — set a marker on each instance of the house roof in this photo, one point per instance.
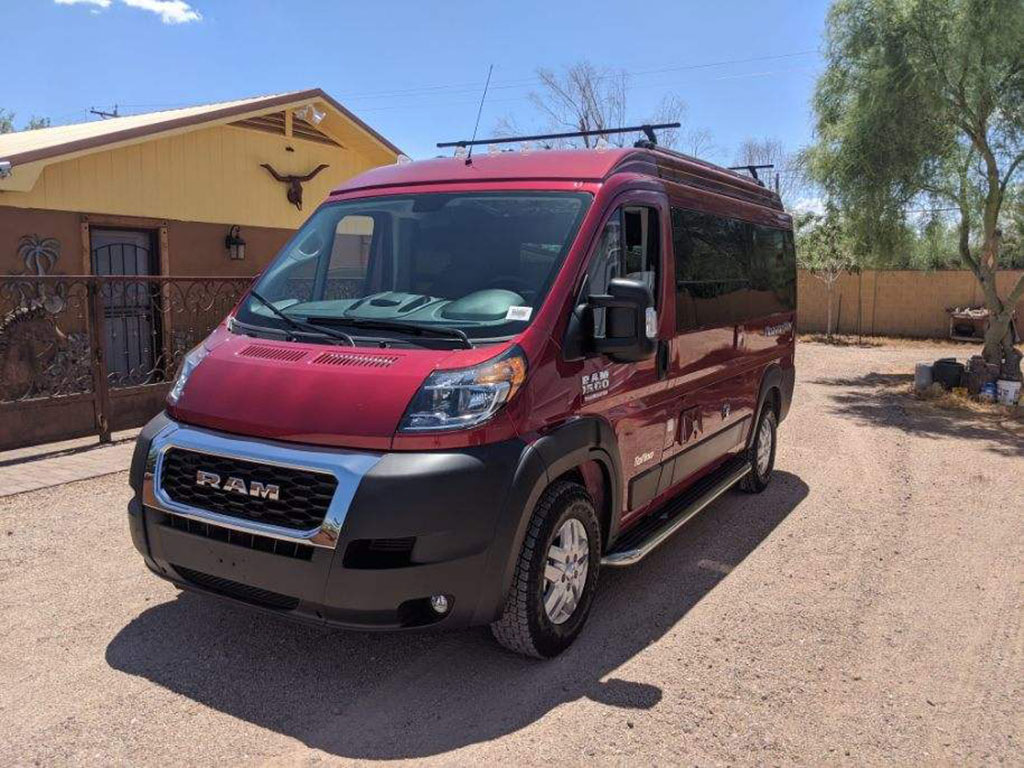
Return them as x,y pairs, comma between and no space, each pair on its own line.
45,143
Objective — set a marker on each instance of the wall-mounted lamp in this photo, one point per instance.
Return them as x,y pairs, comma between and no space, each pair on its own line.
235,244
310,114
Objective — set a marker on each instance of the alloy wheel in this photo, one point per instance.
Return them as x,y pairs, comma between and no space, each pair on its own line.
764,447
565,571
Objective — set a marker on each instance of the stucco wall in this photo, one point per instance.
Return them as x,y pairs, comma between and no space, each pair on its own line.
194,248
896,303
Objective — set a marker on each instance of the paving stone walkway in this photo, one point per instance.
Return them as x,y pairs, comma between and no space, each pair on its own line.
42,466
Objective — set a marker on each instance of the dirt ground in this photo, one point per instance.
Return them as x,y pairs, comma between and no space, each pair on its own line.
866,609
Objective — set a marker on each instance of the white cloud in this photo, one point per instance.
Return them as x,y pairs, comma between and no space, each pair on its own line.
169,11
98,3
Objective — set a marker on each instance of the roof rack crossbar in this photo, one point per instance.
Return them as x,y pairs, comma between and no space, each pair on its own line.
647,129
752,168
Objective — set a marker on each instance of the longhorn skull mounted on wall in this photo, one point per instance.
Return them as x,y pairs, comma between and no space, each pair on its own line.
294,182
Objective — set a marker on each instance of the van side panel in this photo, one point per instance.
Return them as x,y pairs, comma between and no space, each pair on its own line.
722,342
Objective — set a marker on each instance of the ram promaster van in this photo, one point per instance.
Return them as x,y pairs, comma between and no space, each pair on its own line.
465,388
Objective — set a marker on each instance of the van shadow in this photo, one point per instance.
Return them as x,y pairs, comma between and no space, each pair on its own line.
406,695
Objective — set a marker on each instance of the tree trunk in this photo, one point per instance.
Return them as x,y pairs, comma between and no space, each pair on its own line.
998,337
828,321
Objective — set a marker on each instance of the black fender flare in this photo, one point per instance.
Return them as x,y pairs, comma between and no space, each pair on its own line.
773,378
548,457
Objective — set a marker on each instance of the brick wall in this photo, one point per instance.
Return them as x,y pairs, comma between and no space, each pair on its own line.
896,303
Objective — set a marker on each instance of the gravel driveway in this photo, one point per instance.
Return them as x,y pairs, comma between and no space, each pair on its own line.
866,609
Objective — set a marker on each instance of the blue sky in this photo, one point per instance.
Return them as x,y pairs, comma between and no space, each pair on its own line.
414,70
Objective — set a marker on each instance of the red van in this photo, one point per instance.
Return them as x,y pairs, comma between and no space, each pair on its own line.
464,388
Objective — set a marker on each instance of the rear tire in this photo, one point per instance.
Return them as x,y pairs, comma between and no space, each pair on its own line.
761,453
555,577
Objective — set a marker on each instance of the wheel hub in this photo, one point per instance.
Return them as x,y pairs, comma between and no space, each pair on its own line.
565,571
764,448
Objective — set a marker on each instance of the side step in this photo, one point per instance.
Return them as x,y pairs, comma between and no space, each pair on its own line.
641,540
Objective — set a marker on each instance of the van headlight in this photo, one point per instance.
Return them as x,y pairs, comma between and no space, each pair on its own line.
464,398
190,362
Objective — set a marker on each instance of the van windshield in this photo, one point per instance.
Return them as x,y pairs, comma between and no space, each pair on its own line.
479,263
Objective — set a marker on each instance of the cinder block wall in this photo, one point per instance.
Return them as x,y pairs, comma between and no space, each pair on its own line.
896,303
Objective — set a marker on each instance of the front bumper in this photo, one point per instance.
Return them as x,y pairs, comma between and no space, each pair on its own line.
401,527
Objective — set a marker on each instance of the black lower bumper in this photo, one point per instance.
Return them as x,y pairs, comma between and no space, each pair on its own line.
419,525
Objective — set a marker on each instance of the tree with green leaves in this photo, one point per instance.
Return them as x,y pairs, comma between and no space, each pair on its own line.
822,250
35,123
7,122
923,101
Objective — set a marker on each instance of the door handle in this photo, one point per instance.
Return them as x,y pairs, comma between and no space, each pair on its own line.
662,359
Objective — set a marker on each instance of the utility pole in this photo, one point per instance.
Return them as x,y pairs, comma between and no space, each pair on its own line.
104,115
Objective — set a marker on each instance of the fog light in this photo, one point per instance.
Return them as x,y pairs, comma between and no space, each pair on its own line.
439,603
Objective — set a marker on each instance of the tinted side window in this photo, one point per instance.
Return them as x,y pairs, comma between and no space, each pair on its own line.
729,271
772,272
711,268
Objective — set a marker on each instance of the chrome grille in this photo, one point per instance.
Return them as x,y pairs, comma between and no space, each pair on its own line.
302,504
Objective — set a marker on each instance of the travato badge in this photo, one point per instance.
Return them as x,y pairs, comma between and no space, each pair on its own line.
237,485
778,330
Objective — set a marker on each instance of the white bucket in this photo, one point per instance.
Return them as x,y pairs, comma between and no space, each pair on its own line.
1007,391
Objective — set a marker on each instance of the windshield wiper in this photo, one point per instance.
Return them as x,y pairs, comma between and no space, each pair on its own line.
442,331
299,324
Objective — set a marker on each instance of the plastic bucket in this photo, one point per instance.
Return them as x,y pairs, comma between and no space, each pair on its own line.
922,376
1007,391
948,372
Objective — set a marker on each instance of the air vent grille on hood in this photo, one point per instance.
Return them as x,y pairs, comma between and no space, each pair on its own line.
345,358
281,354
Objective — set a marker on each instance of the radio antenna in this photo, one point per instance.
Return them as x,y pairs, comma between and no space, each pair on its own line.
469,155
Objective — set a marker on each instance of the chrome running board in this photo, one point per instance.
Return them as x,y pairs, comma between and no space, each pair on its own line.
636,544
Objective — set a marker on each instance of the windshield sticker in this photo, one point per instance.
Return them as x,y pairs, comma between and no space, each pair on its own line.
519,313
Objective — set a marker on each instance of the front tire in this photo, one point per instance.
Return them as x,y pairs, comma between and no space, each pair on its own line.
761,453
555,577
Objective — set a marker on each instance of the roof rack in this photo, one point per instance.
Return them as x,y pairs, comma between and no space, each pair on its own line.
647,129
753,169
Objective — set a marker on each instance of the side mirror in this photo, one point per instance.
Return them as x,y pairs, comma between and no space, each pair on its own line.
627,332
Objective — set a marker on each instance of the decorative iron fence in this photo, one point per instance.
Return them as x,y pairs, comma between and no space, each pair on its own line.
114,342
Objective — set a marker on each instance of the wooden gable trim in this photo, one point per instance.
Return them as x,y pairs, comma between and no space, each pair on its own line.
287,125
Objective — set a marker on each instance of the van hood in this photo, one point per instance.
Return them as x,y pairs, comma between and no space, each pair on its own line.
350,397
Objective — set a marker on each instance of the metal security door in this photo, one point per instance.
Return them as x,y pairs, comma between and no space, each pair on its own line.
132,322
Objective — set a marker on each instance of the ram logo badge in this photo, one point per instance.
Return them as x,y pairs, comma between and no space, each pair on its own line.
237,485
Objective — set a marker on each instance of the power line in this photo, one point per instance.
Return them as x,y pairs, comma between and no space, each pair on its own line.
459,88
511,99
533,81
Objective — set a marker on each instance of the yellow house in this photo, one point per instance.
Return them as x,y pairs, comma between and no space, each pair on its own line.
167,215
170,187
